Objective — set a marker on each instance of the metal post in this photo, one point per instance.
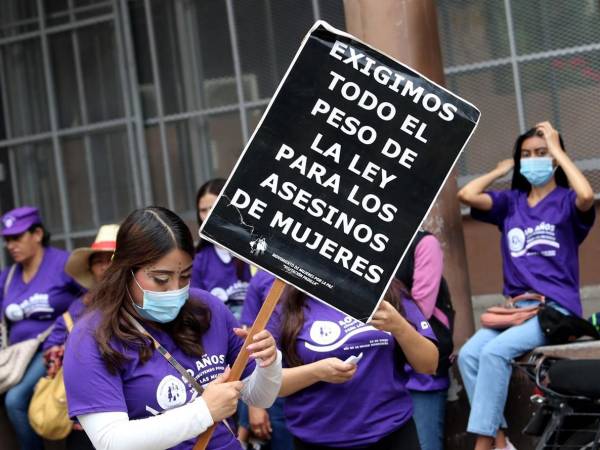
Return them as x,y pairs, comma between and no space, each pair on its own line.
131,144
84,118
159,105
316,10
61,179
271,39
133,89
237,69
554,83
515,66
13,176
56,29
4,96
192,72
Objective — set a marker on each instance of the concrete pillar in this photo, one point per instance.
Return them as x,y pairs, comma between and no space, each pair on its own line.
407,30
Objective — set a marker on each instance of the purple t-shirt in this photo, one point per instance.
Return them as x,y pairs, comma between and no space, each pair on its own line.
257,292
540,244
32,307
59,333
143,390
425,383
211,273
374,403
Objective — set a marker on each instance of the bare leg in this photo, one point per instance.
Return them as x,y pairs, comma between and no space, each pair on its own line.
501,439
484,443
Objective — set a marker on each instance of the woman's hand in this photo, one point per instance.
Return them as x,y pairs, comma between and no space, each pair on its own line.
388,318
505,166
334,370
260,424
263,347
578,181
53,359
420,352
550,135
222,397
329,370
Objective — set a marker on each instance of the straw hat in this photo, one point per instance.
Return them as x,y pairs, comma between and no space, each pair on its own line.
78,264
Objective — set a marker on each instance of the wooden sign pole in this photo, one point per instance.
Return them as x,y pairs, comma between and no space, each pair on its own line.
242,359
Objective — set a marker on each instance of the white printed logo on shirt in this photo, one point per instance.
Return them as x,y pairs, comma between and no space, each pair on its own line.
522,242
327,336
324,332
170,392
237,291
36,304
220,293
516,240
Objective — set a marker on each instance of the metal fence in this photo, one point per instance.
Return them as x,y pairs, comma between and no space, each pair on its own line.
111,105
522,62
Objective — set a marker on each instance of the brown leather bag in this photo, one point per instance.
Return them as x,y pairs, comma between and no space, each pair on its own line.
508,315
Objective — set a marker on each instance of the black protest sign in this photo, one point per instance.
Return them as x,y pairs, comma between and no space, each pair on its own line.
341,171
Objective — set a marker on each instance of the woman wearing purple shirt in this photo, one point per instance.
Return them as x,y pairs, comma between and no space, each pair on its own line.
32,297
421,273
128,396
333,403
543,219
215,269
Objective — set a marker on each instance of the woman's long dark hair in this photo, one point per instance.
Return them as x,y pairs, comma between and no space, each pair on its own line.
519,182
214,186
292,318
45,233
144,237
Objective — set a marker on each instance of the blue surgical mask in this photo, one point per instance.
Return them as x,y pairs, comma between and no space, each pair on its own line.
164,306
537,170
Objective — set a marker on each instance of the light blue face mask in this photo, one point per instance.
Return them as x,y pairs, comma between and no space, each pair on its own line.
161,307
537,170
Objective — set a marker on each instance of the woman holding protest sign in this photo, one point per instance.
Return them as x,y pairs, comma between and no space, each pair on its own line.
128,396
215,269
346,382
35,291
544,217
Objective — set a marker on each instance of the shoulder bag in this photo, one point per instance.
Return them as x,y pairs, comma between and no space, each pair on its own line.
509,315
48,412
14,359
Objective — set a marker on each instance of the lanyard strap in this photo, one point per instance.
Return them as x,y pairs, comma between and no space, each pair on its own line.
165,353
68,321
4,326
9,278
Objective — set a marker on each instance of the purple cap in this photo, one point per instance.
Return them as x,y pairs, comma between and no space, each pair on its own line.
19,220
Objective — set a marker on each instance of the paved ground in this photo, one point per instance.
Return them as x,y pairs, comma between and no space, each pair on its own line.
590,296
